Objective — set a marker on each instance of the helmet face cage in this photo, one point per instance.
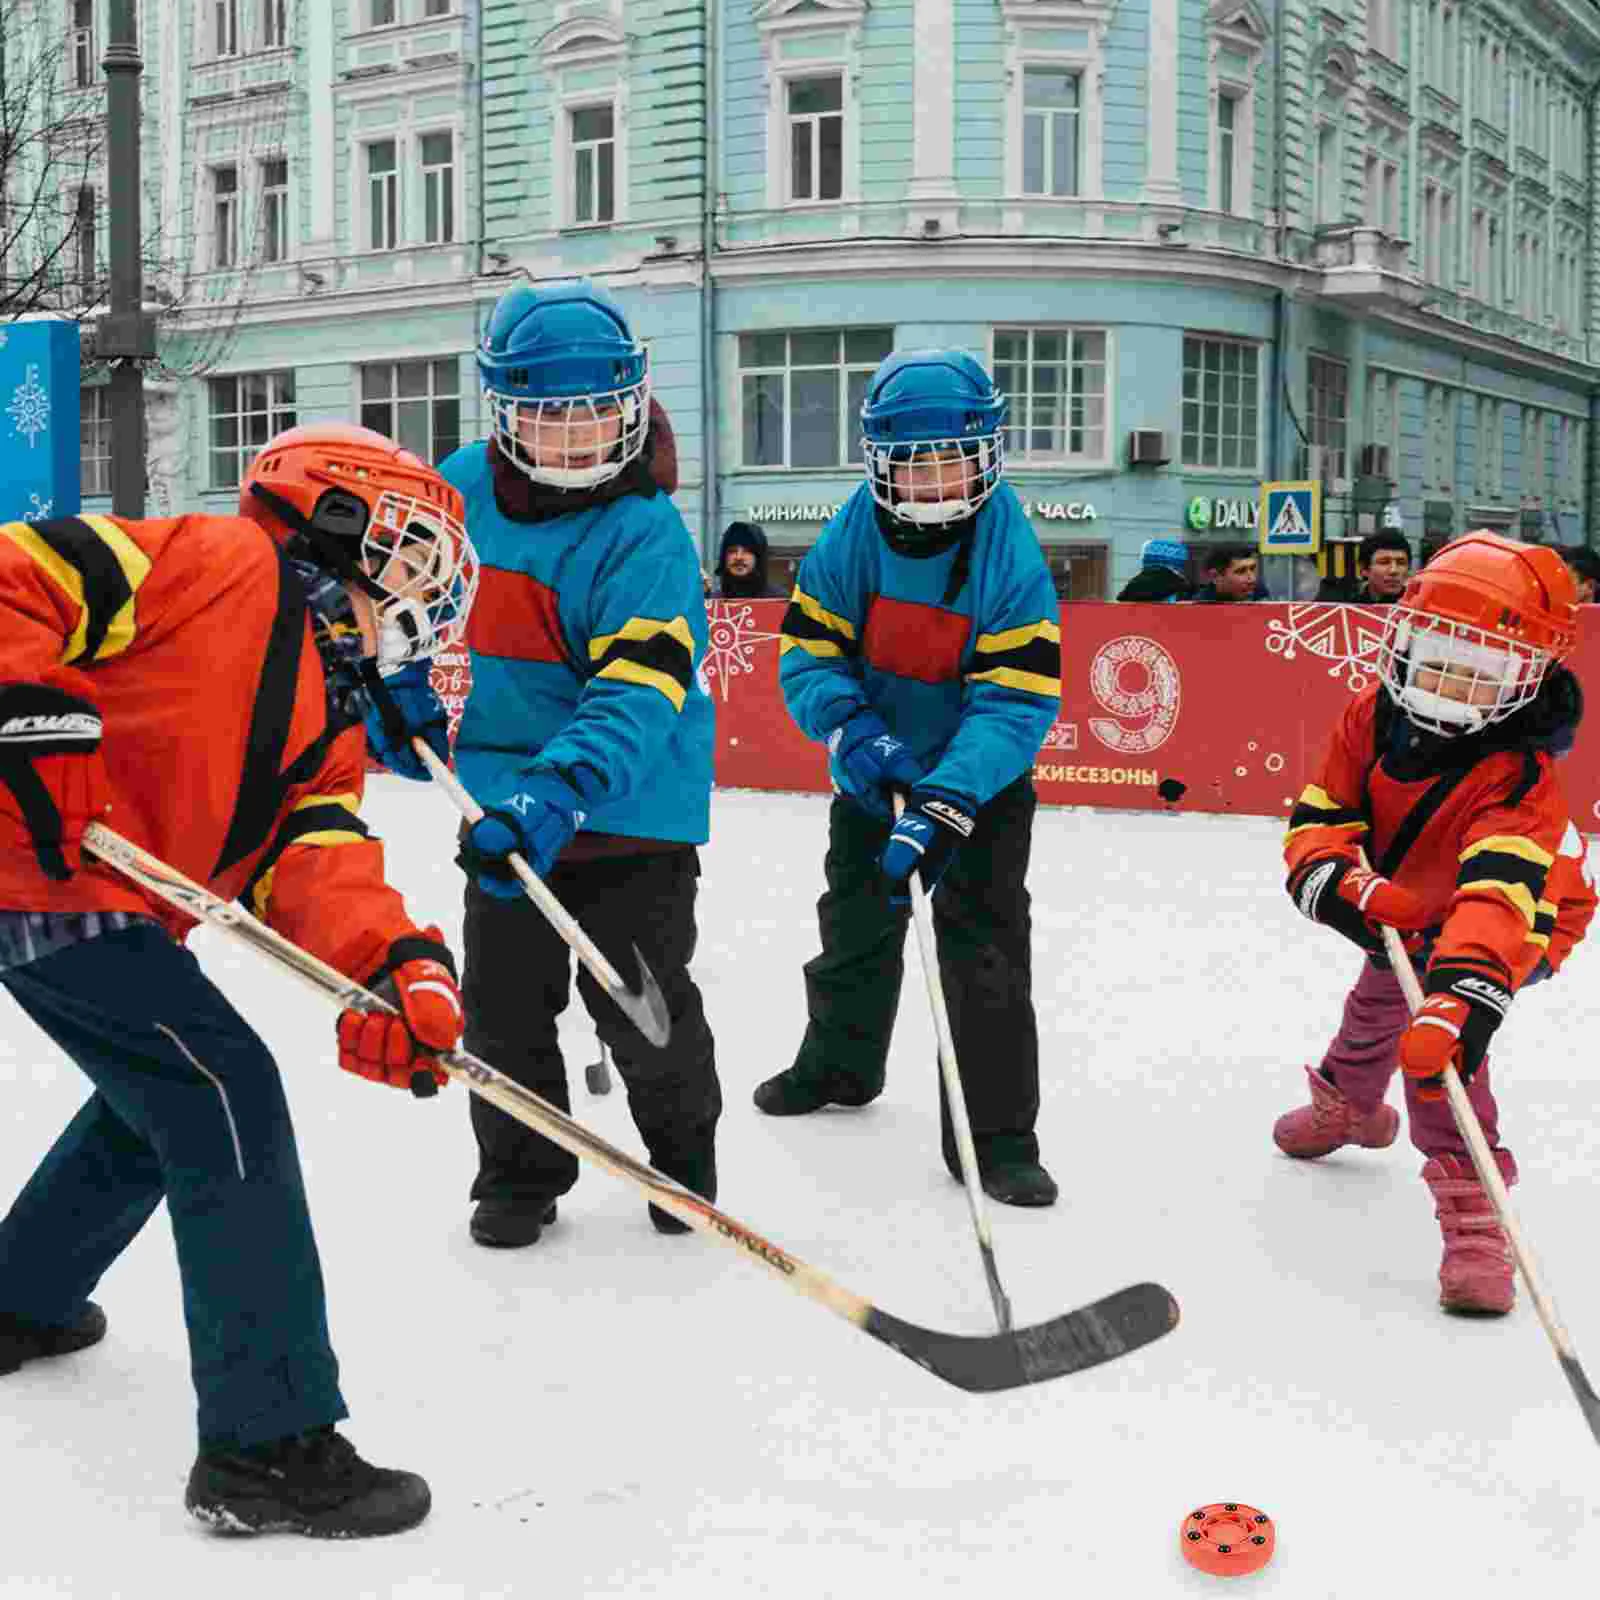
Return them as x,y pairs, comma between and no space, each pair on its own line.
420,556
1452,677
553,439
911,479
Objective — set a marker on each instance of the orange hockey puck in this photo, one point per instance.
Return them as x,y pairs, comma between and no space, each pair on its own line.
1227,1540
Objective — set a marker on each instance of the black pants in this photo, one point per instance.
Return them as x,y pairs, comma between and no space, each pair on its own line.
517,982
981,917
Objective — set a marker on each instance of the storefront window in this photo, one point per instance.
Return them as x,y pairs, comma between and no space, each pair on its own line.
1221,403
1328,412
800,394
1054,380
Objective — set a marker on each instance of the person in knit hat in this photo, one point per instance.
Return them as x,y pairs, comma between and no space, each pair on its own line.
1162,573
742,565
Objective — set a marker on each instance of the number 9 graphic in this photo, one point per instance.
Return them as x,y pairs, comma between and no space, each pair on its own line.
1137,681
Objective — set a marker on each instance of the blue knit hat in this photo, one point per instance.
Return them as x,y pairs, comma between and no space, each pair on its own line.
1173,554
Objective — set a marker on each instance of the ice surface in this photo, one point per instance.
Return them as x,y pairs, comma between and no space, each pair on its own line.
617,1413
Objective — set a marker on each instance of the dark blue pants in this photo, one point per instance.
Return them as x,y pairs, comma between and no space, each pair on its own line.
188,1107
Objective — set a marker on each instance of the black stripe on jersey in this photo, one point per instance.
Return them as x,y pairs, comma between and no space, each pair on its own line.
1501,866
329,818
800,624
661,652
1039,657
1310,816
106,589
262,783
1544,924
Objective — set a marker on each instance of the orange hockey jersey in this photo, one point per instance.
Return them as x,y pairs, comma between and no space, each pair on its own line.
1488,846
195,636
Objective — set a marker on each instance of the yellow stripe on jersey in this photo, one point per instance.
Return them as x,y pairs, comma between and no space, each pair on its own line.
1026,658
1316,808
99,568
1511,845
319,819
657,655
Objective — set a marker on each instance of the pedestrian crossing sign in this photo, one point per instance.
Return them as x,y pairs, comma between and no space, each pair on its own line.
1291,519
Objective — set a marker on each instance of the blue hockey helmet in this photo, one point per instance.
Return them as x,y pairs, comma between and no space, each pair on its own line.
925,413
567,384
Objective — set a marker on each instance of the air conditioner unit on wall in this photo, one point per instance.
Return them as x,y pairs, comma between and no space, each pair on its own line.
1147,447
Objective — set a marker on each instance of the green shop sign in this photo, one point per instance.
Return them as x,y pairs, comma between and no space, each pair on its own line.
1203,513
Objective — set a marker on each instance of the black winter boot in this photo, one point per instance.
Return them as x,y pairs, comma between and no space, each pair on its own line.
1018,1183
510,1224
22,1340
312,1483
800,1090
694,1165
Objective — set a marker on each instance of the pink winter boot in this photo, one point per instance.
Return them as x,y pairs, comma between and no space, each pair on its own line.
1476,1274
1331,1121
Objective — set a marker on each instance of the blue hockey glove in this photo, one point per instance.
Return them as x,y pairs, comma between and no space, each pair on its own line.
867,760
402,707
537,821
926,837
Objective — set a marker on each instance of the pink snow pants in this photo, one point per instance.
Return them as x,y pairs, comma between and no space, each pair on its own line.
1365,1054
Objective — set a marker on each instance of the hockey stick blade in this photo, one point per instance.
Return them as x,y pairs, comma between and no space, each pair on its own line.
1120,1323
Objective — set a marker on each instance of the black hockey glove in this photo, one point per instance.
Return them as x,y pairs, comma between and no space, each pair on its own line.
1461,1008
54,777
1352,900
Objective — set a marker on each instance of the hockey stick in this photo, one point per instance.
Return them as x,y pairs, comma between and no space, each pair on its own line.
955,1096
1494,1185
1110,1327
645,1008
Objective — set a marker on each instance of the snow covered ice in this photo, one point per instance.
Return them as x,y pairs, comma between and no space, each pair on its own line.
613,1413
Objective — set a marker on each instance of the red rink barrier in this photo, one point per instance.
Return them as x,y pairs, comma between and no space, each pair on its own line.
1205,708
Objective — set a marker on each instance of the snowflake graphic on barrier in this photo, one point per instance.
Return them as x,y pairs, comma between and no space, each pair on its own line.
1346,636
41,508
30,406
733,639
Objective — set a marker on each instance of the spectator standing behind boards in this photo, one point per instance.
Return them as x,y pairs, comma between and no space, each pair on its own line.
1383,568
742,565
1233,571
1163,572
1584,565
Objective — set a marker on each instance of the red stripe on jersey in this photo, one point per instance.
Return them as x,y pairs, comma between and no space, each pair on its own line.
515,617
918,641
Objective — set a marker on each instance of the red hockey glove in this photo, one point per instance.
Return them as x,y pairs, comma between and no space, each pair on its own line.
420,978
53,780
1353,900
1461,1008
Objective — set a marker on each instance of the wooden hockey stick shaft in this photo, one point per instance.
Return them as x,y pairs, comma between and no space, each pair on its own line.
1113,1326
646,1009
955,1095
1488,1171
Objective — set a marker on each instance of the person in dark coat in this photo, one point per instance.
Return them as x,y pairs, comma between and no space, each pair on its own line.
1234,574
742,565
1383,568
1163,572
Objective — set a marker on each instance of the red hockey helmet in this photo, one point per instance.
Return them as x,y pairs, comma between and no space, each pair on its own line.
363,507
1470,640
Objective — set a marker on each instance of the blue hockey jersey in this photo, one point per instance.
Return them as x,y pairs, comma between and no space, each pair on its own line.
970,680
585,640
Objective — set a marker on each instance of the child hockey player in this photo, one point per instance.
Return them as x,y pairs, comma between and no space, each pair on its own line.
1445,776
922,645
587,740
200,682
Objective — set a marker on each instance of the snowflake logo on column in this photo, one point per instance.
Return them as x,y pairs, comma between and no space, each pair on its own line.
1347,636
30,406
733,639
41,508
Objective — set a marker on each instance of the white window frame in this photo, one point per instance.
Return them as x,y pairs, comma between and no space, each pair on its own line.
285,207
1237,28
366,181
1438,438
1489,448
369,12
813,122
279,414
82,55
1383,414
224,243
361,404
94,440
1018,420
1089,67
1247,468
86,249
451,215
1048,115
850,442
826,38
272,19
222,36
1534,472
1328,174
1321,419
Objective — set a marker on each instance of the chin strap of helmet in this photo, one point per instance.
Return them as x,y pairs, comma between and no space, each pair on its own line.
330,551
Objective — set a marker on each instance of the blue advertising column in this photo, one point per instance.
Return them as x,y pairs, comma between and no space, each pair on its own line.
39,444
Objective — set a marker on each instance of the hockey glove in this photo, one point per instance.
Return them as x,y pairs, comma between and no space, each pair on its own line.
537,821
866,760
420,978
1461,1008
1353,900
925,839
53,775
413,710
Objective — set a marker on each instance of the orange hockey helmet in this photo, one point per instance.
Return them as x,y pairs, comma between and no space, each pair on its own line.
366,509
1470,640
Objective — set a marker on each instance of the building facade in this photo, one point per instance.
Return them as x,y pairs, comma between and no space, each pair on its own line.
1201,243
